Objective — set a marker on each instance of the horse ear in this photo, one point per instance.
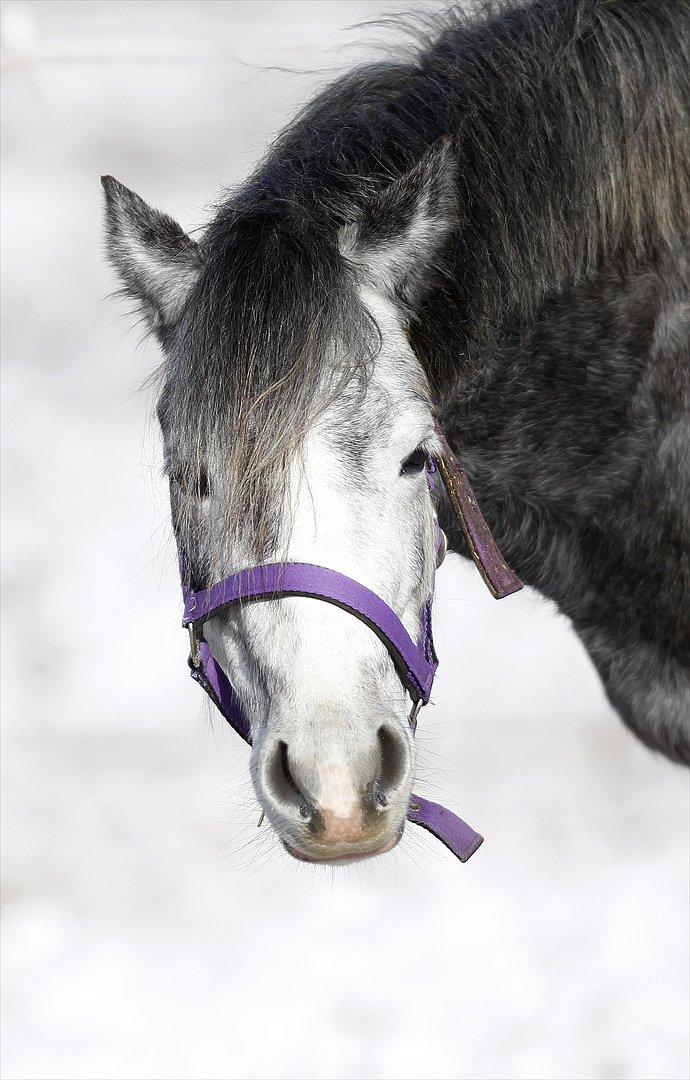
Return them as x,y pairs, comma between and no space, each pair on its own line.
396,241
157,261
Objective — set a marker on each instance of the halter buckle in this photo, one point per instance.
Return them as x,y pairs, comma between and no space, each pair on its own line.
194,650
414,713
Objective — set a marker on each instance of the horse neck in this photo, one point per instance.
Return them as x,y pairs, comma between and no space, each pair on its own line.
574,201
559,425
571,154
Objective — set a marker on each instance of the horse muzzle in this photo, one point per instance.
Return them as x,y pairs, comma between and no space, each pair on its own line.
340,806
309,825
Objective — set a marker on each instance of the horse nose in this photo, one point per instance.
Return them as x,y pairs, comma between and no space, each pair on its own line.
394,764
281,786
342,806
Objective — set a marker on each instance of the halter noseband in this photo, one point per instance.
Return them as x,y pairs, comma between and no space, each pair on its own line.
415,663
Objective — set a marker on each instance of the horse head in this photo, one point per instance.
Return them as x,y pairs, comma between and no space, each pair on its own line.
297,425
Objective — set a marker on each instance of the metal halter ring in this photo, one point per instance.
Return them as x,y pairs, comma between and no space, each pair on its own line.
194,650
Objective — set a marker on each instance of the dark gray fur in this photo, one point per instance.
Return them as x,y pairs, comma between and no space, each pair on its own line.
553,326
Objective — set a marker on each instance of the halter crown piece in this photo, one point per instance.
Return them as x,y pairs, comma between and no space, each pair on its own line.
415,663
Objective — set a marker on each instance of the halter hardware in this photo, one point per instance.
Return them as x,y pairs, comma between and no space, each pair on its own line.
194,648
414,713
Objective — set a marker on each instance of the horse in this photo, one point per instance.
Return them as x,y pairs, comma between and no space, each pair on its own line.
486,232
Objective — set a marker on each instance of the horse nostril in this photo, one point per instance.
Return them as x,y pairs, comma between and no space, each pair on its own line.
281,782
393,750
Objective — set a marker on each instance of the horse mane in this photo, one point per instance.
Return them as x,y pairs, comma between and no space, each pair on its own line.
272,334
570,127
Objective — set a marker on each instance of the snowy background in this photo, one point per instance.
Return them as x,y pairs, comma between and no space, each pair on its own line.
150,930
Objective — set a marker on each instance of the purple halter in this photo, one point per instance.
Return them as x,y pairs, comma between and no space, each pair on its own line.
415,663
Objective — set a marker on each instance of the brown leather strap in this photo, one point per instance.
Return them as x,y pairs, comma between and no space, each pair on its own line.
495,571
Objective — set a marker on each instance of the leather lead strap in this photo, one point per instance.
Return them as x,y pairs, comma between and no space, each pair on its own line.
499,578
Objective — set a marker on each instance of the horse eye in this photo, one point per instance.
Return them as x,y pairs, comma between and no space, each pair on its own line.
415,462
192,482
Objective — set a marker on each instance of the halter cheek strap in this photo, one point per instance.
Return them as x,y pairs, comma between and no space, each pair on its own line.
415,663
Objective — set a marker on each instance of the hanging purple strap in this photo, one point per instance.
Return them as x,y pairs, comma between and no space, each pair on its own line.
456,834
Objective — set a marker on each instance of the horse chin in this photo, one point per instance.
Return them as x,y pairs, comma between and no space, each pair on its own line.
345,858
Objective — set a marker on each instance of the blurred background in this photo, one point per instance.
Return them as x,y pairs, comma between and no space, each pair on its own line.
150,929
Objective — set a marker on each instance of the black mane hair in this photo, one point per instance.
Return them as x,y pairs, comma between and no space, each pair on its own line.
570,125
570,130
250,357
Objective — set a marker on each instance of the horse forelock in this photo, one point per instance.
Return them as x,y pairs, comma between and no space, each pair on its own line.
271,336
